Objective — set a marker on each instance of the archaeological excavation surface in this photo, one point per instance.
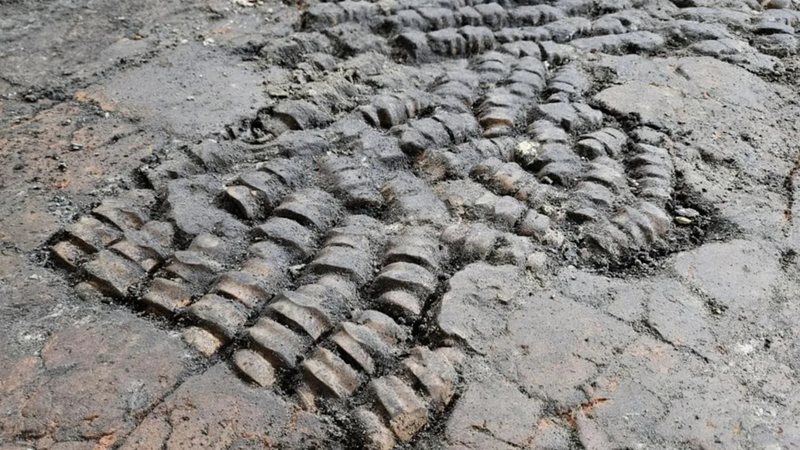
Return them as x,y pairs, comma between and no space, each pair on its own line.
436,218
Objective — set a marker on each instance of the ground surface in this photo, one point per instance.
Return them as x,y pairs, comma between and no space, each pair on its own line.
427,224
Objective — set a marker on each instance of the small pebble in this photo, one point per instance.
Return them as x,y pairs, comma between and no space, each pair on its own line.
536,262
297,269
680,220
527,151
687,212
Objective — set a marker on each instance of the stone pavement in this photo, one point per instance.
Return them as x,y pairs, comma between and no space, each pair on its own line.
562,224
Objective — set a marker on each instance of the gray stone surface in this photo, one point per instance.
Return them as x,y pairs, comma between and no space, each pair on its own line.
584,226
493,413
